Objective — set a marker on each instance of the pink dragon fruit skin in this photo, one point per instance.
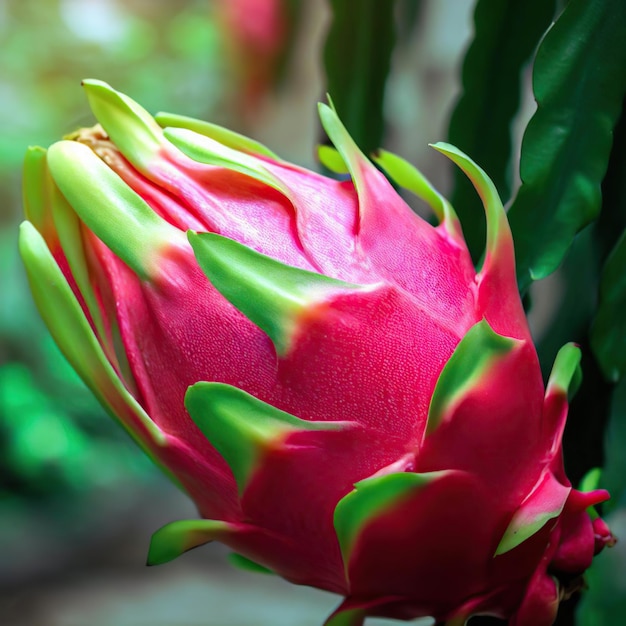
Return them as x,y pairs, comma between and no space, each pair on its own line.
347,401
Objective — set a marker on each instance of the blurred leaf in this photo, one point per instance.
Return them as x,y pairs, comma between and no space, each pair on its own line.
579,83
577,280
605,600
506,34
614,473
409,14
608,333
356,59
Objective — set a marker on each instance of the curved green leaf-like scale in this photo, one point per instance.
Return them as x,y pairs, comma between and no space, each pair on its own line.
544,503
69,233
111,209
608,331
371,498
131,128
330,158
209,151
71,331
269,293
505,36
565,378
226,137
353,158
498,298
408,176
579,84
478,354
499,241
37,187
242,428
566,374
247,565
176,538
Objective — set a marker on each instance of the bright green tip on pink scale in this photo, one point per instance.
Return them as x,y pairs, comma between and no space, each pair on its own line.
269,293
475,356
497,223
110,208
241,427
206,150
372,498
133,130
174,539
544,503
227,137
37,189
566,375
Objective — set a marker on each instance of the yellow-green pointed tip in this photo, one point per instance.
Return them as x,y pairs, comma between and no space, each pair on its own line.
110,208
355,161
330,158
204,149
499,239
36,190
331,104
566,375
131,128
176,538
227,137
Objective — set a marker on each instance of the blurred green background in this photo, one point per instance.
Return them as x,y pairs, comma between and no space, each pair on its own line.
78,501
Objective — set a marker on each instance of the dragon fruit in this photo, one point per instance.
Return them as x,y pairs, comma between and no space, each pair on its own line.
348,402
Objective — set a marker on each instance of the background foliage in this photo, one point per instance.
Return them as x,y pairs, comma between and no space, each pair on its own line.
401,73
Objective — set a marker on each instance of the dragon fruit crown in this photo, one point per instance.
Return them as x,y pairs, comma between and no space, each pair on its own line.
349,403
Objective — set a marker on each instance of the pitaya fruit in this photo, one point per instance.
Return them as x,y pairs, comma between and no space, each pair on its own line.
347,401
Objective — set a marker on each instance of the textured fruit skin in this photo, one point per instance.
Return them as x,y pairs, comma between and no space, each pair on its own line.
348,402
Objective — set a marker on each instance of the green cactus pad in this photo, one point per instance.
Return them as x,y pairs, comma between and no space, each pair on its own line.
241,427
174,539
110,208
206,150
269,293
226,137
131,128
371,498
566,375
408,176
476,354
